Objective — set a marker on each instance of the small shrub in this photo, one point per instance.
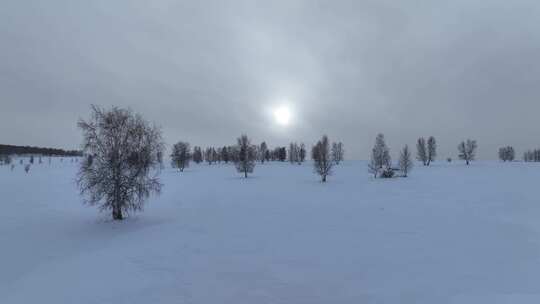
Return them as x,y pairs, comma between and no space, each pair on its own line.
387,172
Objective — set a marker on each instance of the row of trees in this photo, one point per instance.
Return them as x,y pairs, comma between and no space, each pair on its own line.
22,150
263,154
380,164
124,156
532,156
244,155
8,160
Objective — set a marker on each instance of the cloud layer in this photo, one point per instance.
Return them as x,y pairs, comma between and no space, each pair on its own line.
209,70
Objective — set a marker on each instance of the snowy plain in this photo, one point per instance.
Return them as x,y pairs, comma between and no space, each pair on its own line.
447,234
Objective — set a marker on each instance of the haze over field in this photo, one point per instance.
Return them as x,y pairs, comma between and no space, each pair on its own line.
209,70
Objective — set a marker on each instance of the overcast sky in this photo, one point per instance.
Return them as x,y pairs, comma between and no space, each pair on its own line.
207,71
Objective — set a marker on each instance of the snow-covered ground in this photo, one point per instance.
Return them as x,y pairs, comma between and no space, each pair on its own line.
446,234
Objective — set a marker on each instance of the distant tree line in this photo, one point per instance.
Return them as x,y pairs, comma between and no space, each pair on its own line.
226,154
22,150
532,156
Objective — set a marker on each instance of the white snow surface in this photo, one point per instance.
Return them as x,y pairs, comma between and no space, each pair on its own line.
447,234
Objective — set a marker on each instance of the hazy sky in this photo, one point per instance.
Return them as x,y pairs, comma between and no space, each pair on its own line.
207,71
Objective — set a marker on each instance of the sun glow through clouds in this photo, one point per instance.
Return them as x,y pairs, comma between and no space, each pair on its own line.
282,116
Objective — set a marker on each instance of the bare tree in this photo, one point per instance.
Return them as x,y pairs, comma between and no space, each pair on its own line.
405,161
209,155
431,149
380,156
322,158
467,150
181,155
263,149
337,152
125,167
507,153
197,155
532,156
421,151
5,159
302,153
246,155
215,155
159,159
293,153
224,154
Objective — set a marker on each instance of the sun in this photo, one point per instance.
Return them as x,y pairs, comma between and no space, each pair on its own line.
282,116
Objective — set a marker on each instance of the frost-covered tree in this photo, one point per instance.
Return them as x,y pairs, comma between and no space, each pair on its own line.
282,154
246,155
507,153
380,156
181,155
293,153
431,149
159,159
5,159
302,153
267,155
197,155
421,151
209,155
322,158
263,149
532,156
125,167
337,152
467,150
405,161
215,155
225,154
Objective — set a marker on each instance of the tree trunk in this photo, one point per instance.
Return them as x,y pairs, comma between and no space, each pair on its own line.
117,213
245,173
467,161
324,179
